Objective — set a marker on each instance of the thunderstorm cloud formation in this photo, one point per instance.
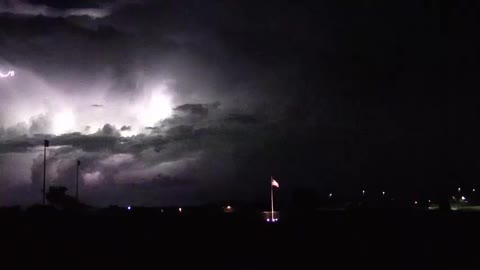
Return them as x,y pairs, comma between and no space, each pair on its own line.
172,102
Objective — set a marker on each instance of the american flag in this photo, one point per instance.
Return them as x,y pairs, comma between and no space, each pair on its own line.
274,183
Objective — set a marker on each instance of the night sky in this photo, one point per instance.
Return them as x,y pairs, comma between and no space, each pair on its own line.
188,102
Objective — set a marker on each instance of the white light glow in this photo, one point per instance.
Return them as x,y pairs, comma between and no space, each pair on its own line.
180,210
63,122
11,73
330,195
156,106
129,208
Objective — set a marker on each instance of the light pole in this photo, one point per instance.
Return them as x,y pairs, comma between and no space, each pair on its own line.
46,144
78,169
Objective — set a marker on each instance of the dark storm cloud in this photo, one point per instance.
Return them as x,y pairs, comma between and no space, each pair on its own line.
195,109
320,94
56,8
31,9
242,118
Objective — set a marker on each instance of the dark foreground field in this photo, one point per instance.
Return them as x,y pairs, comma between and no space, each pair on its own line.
324,240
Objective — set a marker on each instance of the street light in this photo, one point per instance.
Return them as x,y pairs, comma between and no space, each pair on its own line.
46,144
78,169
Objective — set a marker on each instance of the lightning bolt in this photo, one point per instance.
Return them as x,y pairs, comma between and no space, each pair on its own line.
11,73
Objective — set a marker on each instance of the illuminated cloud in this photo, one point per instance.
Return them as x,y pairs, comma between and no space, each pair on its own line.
26,8
92,178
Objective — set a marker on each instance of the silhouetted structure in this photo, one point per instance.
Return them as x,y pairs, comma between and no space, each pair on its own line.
46,144
57,197
78,168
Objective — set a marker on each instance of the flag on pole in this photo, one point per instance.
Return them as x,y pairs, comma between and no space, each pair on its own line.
46,143
78,162
275,183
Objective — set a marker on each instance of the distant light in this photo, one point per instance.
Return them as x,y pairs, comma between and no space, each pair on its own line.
453,197
383,192
268,220
161,210
229,207
459,189
473,190
416,202
429,201
330,195
180,209
129,208
463,198
363,192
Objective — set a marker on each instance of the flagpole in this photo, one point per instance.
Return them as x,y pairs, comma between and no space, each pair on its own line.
271,197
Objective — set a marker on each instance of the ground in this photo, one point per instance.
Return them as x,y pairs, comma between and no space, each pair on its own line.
404,239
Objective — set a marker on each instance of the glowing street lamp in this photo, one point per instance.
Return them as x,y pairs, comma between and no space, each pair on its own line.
330,195
383,193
